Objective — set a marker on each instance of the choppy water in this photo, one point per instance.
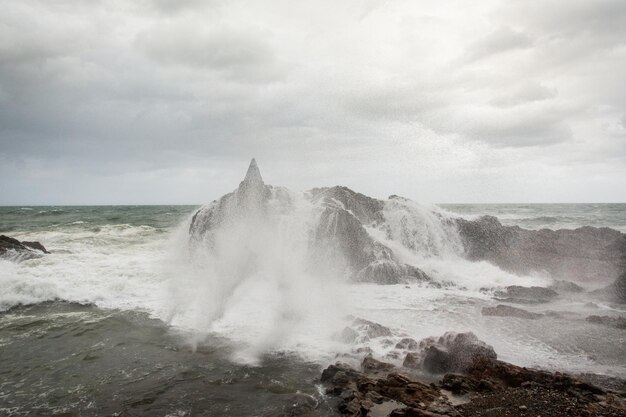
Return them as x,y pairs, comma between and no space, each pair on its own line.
138,345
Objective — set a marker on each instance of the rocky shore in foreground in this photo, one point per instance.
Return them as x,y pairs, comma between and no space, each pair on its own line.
470,382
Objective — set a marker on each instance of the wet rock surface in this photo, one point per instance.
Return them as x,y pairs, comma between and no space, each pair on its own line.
588,254
508,311
617,322
10,247
488,387
525,295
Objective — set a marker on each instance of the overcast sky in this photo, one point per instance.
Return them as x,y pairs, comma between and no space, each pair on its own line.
166,101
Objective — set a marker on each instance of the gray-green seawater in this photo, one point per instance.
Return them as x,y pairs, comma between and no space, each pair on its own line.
90,329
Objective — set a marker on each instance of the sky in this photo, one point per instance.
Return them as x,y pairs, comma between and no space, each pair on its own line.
450,101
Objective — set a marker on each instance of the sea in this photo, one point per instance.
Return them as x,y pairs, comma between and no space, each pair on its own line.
115,322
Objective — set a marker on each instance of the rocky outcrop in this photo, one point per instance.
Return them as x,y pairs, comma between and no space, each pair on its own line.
615,292
585,254
508,311
487,387
617,322
14,249
338,239
453,352
525,295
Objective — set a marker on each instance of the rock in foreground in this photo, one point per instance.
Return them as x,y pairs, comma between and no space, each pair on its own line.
14,249
489,388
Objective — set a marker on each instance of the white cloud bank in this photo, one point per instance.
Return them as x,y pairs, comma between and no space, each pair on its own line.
447,101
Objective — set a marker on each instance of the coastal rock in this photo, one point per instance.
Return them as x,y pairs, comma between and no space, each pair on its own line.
615,292
508,311
586,254
617,322
390,272
525,295
454,352
562,286
489,388
14,249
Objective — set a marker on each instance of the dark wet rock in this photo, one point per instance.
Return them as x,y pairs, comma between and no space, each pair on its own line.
454,352
562,286
390,272
407,344
617,322
489,387
615,292
508,311
371,330
371,365
412,360
13,248
585,254
382,391
525,295
437,360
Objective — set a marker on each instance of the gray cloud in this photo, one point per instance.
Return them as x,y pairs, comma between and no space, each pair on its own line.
172,98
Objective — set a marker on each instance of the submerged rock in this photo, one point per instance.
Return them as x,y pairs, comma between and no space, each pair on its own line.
617,322
508,311
525,295
14,249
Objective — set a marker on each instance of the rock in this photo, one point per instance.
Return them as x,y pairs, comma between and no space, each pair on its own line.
562,286
525,295
588,254
14,249
617,322
371,365
615,292
437,360
454,352
371,330
507,311
390,272
359,392
412,360
407,344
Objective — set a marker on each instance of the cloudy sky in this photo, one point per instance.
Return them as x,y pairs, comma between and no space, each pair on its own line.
166,101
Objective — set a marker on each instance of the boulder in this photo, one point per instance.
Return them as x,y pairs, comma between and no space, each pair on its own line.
454,352
508,311
14,249
562,286
617,322
525,295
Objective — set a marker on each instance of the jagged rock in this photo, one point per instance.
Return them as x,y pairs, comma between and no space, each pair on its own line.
454,352
525,295
390,272
371,330
367,210
508,311
617,322
615,292
586,254
412,360
10,247
407,344
562,286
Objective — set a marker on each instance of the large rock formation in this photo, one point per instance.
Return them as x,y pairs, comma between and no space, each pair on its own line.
588,254
350,234
338,236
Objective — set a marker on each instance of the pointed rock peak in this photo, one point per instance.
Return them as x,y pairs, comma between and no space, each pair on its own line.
253,174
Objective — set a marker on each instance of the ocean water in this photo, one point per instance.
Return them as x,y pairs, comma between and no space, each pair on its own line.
116,319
